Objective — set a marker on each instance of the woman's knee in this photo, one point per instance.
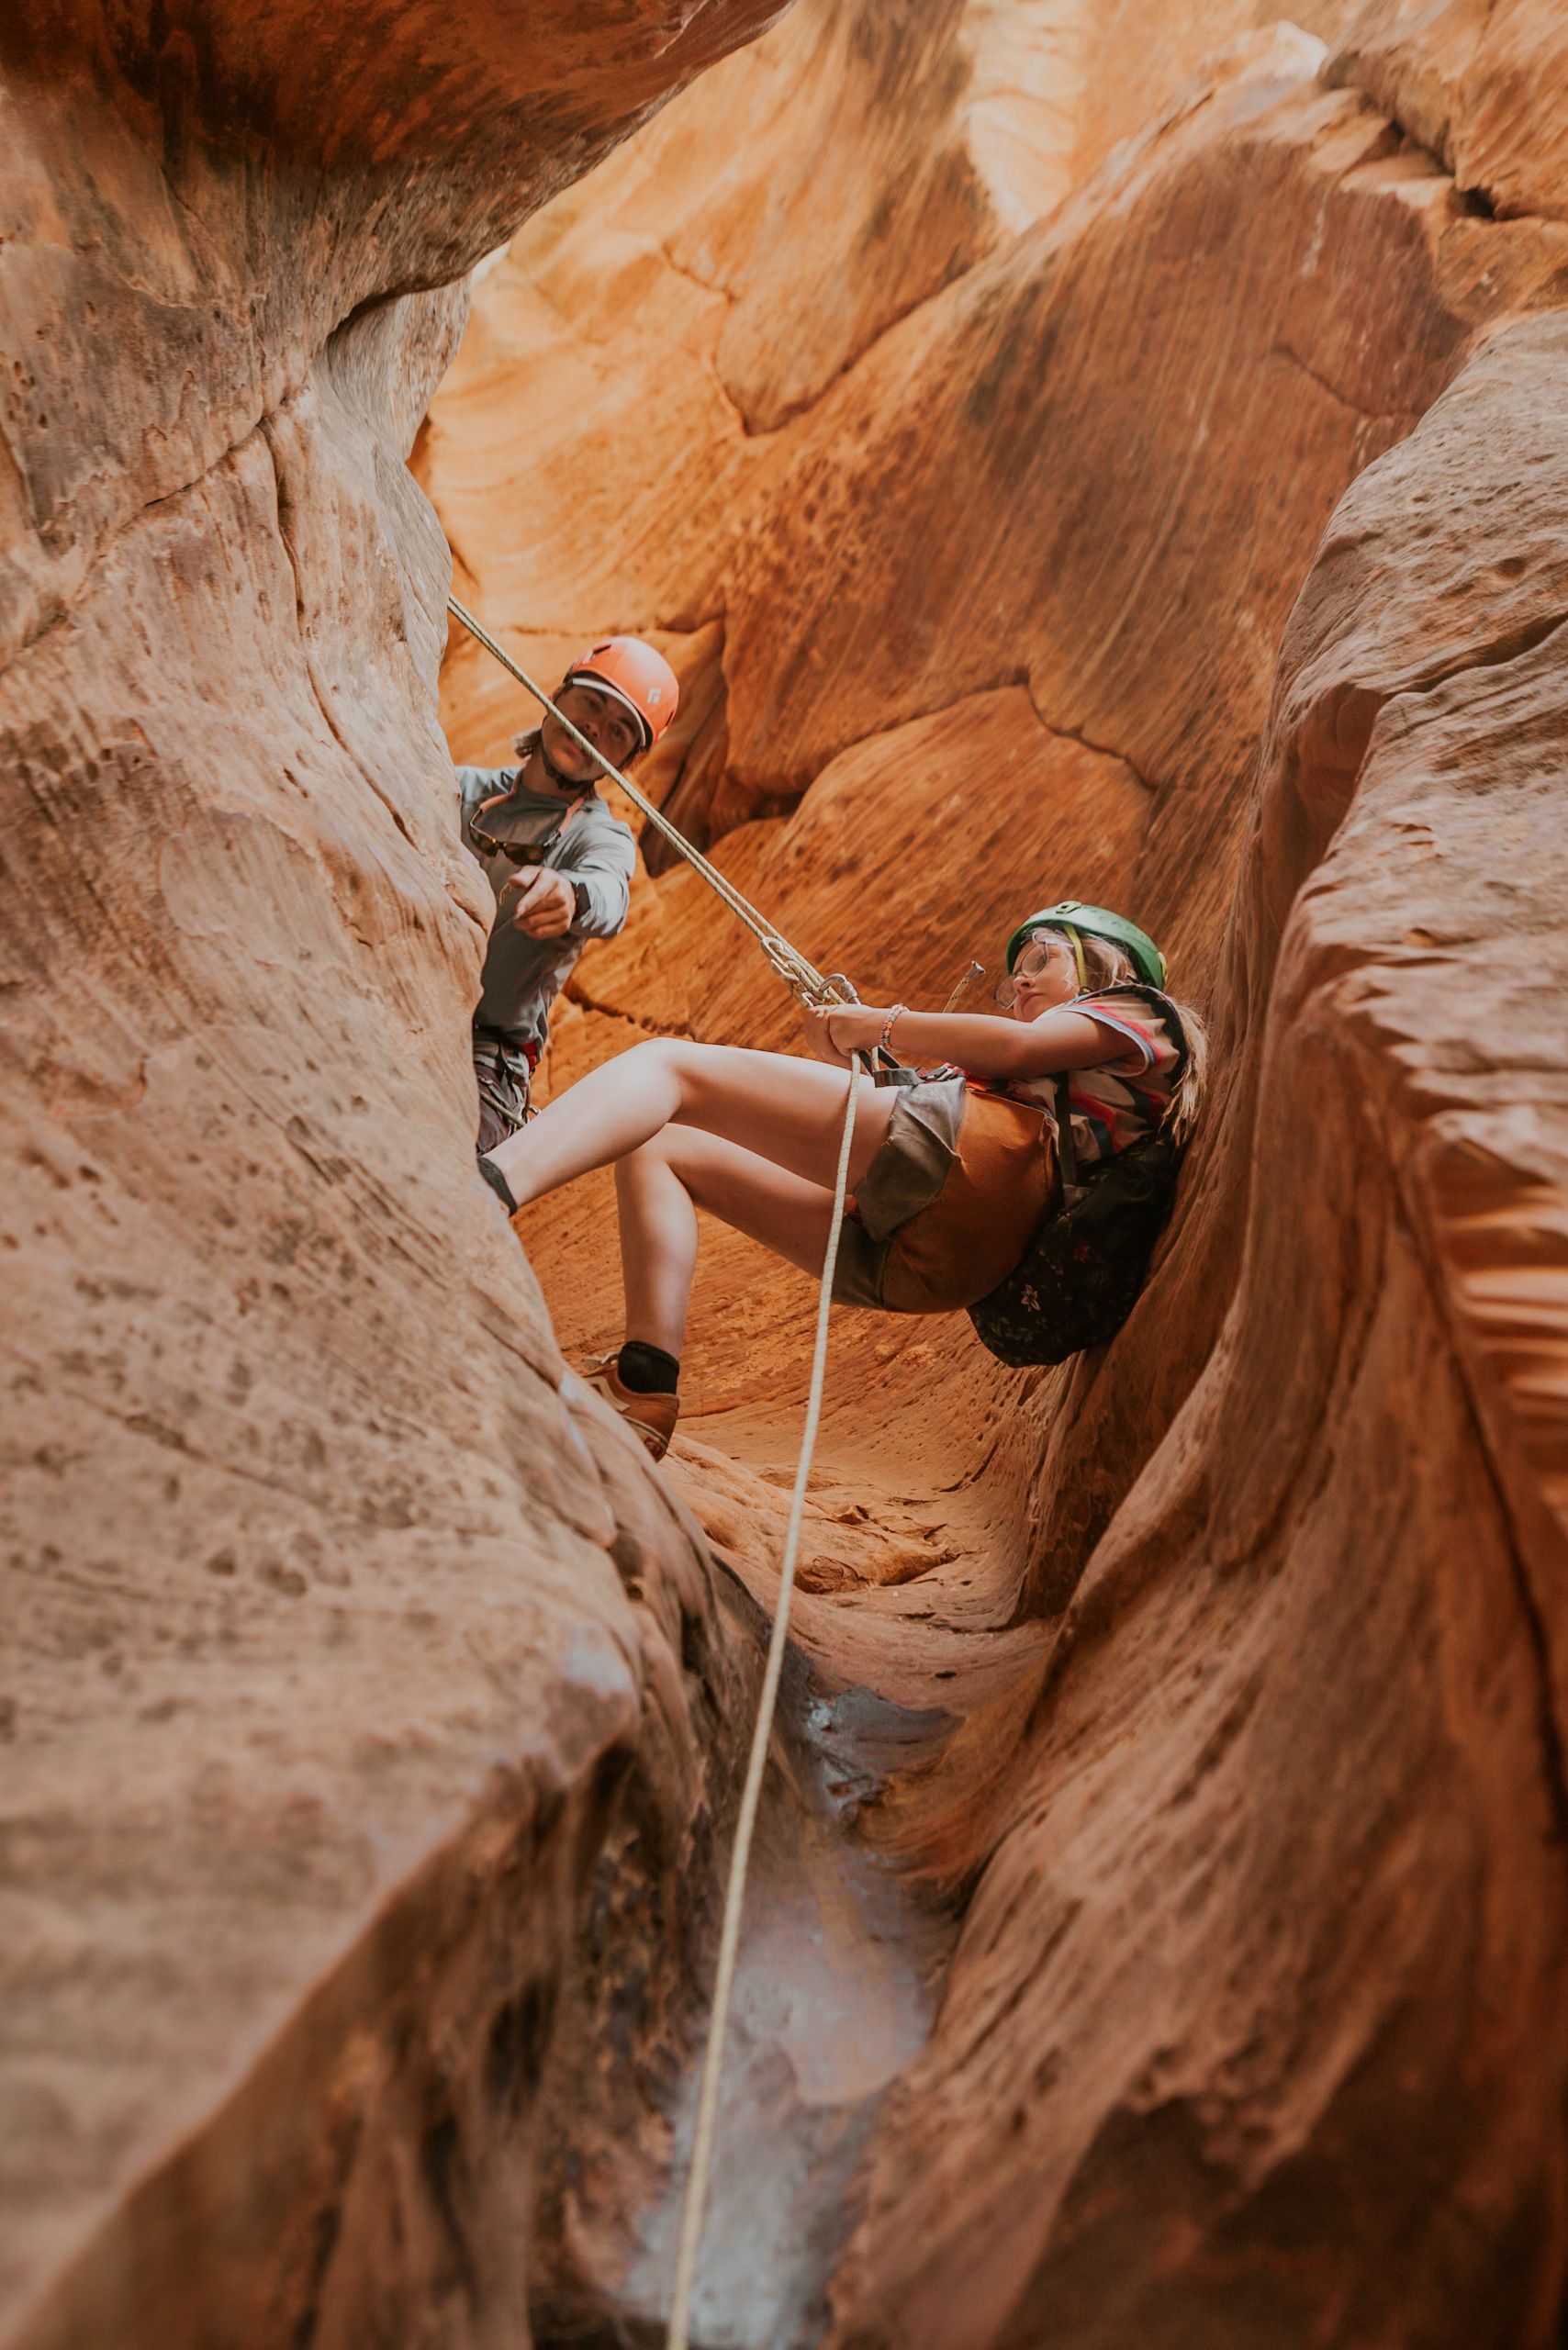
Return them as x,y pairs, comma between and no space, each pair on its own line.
674,1061
646,1159
674,1150
692,1084
681,1151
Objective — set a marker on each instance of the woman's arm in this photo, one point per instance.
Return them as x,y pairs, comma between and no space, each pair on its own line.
986,1044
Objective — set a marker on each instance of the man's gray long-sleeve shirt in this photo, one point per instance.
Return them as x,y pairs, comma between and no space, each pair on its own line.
523,976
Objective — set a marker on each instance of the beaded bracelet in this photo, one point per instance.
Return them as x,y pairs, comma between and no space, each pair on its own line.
888,1026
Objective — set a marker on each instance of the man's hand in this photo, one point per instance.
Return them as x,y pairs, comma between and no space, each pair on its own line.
545,902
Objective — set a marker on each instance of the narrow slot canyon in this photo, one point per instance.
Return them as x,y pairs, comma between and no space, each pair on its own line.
1079,449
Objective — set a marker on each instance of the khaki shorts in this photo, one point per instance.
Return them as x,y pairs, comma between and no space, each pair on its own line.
502,1072
950,1202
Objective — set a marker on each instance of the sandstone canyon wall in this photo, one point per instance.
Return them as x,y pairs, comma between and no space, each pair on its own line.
1061,447
326,1640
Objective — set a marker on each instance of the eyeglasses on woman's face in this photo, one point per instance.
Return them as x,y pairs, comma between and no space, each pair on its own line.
1033,959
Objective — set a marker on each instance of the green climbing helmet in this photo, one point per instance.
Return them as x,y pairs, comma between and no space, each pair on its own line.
1095,922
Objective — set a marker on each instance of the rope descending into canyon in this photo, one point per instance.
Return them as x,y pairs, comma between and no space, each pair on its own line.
801,977
809,985
696,2195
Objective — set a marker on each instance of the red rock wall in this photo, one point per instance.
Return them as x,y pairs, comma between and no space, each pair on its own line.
1263,1972
1157,1924
321,1666
1254,1817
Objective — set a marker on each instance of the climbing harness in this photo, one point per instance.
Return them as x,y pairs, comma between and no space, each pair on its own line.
503,1071
813,988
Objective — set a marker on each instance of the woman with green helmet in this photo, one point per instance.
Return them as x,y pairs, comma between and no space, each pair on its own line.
953,1166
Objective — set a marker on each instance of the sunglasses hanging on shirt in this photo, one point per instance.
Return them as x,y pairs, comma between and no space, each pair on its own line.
515,852
520,851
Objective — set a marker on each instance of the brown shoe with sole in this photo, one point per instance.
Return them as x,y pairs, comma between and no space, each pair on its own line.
652,1417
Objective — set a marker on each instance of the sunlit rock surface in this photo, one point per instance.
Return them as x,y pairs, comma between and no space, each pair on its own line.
1252,2030
1481,82
1287,1813
1063,447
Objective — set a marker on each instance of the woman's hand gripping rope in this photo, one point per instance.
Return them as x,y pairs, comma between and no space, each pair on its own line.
840,1031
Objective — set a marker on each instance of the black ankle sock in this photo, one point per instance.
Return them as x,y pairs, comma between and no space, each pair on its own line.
647,1371
498,1183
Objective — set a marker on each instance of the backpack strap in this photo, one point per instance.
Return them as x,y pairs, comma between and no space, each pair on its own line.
1066,1149
1156,996
1073,1188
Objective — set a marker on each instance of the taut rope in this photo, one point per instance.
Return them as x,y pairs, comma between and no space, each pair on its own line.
801,977
697,2178
809,985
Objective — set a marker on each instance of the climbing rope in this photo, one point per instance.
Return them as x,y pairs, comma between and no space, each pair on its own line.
801,977
809,985
696,2196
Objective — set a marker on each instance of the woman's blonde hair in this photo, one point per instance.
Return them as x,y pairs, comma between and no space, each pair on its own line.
1102,964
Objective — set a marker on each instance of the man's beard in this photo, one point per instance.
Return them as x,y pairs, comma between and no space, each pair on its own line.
575,784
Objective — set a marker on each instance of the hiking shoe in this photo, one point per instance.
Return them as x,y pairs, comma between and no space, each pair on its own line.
651,1417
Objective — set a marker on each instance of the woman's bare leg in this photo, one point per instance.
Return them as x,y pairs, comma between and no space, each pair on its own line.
659,1246
659,1189
787,1111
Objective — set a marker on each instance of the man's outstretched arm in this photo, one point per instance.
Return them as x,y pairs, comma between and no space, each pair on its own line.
589,896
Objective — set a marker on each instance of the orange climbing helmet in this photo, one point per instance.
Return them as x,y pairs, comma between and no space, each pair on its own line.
639,677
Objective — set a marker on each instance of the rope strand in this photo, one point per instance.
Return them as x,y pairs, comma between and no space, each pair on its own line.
809,985
696,2195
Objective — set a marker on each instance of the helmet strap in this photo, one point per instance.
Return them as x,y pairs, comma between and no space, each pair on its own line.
1078,958
575,786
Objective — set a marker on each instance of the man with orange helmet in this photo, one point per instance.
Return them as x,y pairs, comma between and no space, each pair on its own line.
559,863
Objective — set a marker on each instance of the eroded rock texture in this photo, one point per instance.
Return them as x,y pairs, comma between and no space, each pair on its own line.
1254,1815
329,1637
1308,1691
1107,448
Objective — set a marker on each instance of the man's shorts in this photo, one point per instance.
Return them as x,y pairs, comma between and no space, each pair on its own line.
502,1072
